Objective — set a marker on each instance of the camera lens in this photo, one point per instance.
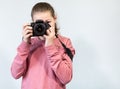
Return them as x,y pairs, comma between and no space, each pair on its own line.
39,28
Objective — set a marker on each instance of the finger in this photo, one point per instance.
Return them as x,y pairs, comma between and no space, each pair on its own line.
26,24
29,35
28,32
48,31
26,36
28,28
45,36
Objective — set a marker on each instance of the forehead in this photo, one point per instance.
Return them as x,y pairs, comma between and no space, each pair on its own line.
42,15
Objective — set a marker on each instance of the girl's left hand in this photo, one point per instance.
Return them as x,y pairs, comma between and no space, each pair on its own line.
49,38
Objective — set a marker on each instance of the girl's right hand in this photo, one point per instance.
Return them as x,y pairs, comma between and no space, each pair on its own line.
27,33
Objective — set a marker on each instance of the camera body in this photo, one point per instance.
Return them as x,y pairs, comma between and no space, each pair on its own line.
39,27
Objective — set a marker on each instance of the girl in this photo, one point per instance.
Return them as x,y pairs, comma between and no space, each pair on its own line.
42,61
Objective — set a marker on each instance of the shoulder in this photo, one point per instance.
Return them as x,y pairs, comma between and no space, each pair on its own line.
61,37
67,42
64,39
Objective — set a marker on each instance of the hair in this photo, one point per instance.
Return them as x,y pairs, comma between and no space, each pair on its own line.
43,7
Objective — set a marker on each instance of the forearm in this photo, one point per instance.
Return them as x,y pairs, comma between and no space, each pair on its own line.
19,64
18,67
62,68
60,63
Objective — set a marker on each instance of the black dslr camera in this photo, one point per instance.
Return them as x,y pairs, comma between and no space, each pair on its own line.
39,27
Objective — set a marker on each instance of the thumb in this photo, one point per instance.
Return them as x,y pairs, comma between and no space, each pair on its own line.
45,36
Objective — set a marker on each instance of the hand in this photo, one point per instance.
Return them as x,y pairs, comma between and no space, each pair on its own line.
49,38
27,33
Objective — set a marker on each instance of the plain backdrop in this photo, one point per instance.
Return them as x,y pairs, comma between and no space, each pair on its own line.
93,27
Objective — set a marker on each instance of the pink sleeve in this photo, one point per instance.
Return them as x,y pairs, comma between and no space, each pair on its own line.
60,61
19,66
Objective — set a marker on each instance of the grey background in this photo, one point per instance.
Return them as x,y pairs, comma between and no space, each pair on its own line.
92,25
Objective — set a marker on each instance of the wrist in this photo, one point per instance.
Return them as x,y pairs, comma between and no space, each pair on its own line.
26,40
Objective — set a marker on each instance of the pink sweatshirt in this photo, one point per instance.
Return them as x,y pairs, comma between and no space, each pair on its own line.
43,67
